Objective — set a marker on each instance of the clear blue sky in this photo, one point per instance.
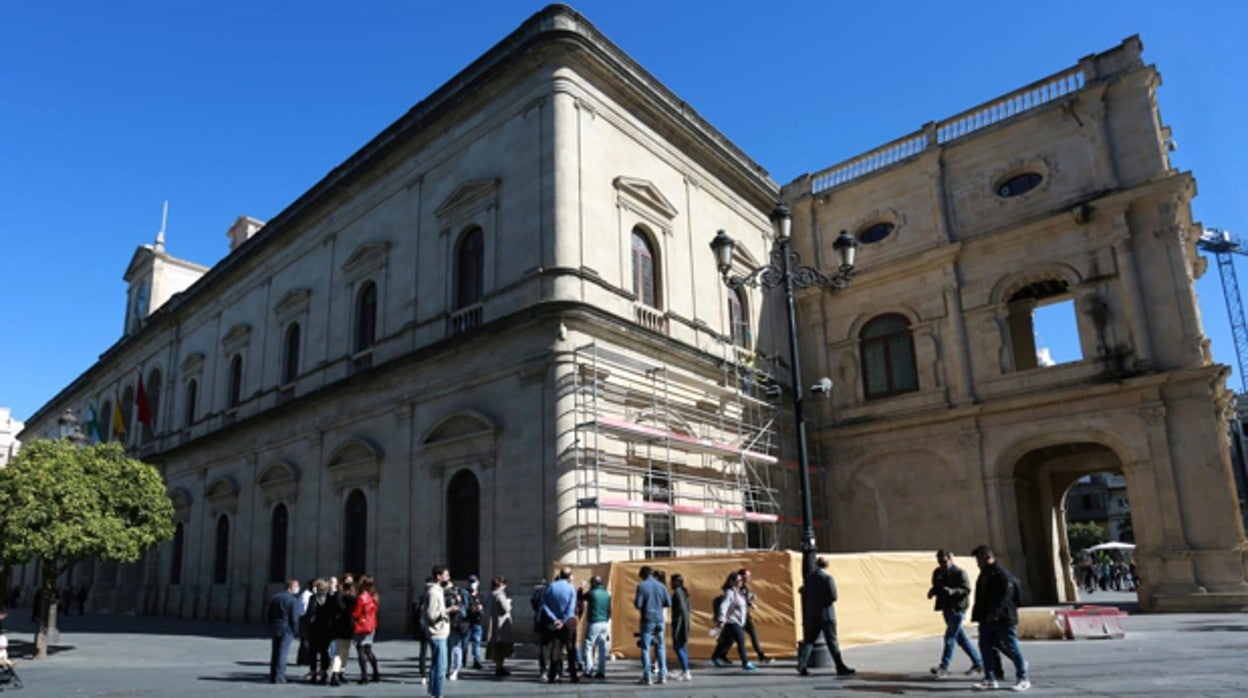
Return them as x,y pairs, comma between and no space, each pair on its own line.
226,108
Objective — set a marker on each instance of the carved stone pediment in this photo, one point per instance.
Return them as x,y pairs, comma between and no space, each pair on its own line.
222,494
355,463
193,363
292,303
643,197
279,482
460,438
468,199
237,338
366,258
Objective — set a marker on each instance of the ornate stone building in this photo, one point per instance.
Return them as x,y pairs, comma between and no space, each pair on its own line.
496,337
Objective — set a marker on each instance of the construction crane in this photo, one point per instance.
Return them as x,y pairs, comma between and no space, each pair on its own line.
1222,244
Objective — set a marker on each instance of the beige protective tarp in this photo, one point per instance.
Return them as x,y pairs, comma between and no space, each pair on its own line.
883,598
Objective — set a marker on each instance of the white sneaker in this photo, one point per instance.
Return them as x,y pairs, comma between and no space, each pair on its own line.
938,672
454,676
687,676
986,685
1022,685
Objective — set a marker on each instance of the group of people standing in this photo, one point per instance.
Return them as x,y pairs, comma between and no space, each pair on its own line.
453,624
330,617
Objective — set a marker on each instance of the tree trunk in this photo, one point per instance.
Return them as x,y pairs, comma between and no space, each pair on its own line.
45,600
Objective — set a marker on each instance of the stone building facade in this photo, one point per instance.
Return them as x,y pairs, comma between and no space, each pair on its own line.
496,337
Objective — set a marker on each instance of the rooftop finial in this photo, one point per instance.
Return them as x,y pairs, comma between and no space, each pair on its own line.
160,236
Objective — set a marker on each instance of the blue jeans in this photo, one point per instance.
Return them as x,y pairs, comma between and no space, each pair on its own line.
997,636
277,658
597,637
652,635
736,633
455,643
474,641
437,659
682,653
956,634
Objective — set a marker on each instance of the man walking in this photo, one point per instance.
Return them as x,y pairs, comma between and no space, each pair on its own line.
651,599
283,617
559,614
439,627
952,590
996,611
819,616
598,634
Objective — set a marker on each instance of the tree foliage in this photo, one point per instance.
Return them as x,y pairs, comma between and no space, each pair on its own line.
1082,536
61,503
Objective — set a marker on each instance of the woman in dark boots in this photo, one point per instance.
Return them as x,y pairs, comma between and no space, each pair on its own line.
364,622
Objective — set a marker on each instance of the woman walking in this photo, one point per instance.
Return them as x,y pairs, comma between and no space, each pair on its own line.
502,641
364,624
731,616
680,625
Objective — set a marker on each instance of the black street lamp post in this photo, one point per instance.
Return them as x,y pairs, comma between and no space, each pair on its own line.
785,270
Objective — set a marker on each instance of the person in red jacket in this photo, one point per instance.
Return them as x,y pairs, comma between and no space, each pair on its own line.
364,624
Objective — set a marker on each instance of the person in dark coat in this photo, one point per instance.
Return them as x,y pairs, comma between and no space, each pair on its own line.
283,617
996,610
681,611
819,616
344,631
320,621
951,589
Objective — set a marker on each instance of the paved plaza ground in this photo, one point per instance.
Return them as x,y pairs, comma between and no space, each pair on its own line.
121,656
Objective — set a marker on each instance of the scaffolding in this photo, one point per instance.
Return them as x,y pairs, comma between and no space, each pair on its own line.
668,461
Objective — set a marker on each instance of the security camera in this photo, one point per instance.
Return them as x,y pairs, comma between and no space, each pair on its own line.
823,387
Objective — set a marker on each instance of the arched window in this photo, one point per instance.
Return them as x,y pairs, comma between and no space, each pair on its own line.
106,421
355,533
221,556
290,355
470,270
645,286
234,391
463,525
175,563
192,395
151,390
277,544
366,317
737,318
887,357
127,413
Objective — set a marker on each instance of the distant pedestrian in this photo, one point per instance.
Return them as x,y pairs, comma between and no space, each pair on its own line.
539,626
474,612
951,589
997,599
681,613
420,628
598,633
343,596
559,613
439,627
502,639
458,638
283,617
318,627
363,625
819,616
730,619
651,600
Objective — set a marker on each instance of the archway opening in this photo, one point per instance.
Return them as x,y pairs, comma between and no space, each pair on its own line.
1045,479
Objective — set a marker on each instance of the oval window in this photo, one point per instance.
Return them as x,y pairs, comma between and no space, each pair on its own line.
875,233
1019,184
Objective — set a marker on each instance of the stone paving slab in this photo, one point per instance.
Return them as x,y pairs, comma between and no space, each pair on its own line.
127,656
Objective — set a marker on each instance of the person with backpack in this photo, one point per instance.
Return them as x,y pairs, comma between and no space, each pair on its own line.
997,599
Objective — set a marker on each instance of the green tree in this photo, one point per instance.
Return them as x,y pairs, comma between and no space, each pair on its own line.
61,504
1082,536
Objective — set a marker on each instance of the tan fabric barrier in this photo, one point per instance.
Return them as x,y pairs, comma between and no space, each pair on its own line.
883,598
